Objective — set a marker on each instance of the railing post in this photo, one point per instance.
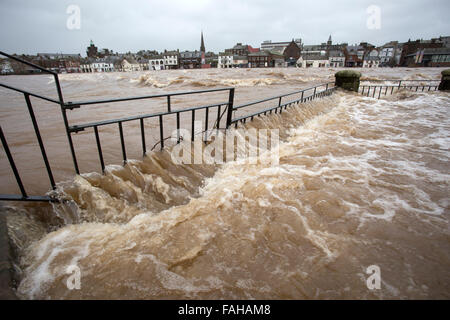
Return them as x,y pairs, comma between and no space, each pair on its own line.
122,142
66,123
12,164
230,107
39,138
144,148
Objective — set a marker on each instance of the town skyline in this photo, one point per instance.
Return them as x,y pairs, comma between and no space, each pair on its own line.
434,52
83,54
158,25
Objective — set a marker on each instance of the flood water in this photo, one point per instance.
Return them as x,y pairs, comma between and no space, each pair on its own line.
359,182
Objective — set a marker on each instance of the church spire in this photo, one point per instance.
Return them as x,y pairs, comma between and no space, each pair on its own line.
202,44
329,40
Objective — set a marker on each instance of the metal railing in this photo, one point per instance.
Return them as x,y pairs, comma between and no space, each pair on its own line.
221,107
216,110
392,86
24,196
305,95
226,105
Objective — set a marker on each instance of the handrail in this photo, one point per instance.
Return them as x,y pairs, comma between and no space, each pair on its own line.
328,90
29,93
34,66
16,197
27,63
397,80
70,105
214,111
391,85
77,128
280,96
371,88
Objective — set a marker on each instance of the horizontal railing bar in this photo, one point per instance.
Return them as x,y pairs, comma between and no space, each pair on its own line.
275,107
15,197
27,63
30,93
83,103
397,80
399,87
388,85
373,88
279,96
76,128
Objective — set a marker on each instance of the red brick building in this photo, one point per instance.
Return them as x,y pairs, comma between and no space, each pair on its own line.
410,49
292,53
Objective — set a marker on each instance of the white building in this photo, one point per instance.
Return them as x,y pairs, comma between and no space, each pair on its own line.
313,61
143,64
171,60
85,67
97,65
371,62
156,63
225,60
102,66
372,59
129,64
390,53
386,54
228,60
5,67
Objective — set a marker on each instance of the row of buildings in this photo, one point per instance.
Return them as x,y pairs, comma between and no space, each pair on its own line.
146,60
419,53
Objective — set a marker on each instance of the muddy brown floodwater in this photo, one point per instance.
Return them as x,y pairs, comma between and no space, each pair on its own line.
359,182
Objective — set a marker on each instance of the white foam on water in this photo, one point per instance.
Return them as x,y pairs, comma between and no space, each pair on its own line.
344,175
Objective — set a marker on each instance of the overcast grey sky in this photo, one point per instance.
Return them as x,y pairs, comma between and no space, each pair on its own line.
41,26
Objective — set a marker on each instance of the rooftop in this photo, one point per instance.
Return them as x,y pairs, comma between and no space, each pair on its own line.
314,56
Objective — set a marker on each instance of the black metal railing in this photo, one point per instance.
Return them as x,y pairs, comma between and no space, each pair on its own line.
215,110
303,95
24,195
391,86
221,107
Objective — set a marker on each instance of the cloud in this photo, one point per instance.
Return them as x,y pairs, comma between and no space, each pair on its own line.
40,26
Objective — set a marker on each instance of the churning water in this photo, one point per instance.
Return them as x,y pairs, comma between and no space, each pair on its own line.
359,182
